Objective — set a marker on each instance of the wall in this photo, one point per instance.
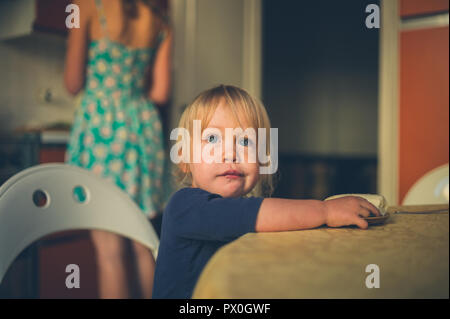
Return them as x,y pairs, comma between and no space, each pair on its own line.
29,66
210,47
16,17
219,43
321,76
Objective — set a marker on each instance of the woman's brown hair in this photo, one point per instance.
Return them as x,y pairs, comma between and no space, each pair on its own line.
159,7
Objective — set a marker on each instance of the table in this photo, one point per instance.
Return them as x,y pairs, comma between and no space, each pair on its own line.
410,250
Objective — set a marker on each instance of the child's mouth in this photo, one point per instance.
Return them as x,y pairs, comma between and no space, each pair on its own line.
232,174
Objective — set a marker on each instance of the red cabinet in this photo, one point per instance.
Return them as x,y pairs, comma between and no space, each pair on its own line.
53,144
51,16
423,91
56,252
52,154
421,7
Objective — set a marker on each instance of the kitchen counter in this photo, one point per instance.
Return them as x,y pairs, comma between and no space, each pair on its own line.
56,133
24,148
54,137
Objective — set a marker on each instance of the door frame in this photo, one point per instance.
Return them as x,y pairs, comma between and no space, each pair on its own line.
388,111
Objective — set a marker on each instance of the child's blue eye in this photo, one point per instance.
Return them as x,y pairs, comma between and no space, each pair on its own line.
244,141
212,138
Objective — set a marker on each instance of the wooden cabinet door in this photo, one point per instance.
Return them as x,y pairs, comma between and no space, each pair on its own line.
410,8
424,104
51,16
52,154
58,251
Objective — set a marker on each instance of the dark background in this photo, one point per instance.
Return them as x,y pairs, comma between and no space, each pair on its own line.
320,87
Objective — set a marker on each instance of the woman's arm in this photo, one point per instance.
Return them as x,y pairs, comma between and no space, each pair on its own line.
75,67
276,214
161,74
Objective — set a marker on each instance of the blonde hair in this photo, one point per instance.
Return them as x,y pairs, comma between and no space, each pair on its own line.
239,101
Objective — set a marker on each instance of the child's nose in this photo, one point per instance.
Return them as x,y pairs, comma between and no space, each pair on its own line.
229,152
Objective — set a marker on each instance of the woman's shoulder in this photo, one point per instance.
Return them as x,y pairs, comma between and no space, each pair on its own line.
87,7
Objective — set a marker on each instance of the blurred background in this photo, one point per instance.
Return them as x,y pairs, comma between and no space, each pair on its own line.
358,109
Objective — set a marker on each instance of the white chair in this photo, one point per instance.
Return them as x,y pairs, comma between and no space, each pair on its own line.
432,188
50,198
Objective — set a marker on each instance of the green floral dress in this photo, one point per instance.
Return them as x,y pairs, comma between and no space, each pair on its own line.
117,131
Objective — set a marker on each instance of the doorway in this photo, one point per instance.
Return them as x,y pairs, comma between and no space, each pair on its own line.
320,87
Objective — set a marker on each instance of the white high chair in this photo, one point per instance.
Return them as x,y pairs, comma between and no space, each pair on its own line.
432,188
50,198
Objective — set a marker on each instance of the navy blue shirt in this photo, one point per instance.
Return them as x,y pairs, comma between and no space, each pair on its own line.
195,225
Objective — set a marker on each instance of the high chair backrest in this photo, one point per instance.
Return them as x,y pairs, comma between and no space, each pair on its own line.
50,198
431,188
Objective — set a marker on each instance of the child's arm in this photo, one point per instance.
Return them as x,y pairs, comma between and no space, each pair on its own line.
276,214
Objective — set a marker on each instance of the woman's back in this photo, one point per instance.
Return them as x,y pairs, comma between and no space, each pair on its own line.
128,26
121,49
138,31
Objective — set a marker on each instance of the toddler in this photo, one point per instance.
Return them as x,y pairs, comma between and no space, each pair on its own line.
227,197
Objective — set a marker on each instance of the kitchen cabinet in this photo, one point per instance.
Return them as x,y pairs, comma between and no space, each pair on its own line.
424,106
17,152
423,90
56,252
409,8
52,154
16,18
414,98
23,17
51,16
53,150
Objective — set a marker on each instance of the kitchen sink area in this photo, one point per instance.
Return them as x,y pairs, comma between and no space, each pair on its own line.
26,148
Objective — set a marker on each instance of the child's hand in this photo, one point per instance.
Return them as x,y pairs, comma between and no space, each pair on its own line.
349,210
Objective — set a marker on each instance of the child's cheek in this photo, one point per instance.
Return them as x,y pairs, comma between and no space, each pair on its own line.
247,154
210,153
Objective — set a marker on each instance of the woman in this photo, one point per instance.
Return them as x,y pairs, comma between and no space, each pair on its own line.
121,57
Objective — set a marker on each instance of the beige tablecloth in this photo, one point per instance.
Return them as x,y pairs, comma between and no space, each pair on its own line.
410,250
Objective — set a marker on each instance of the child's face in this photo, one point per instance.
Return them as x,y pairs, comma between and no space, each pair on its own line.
213,177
